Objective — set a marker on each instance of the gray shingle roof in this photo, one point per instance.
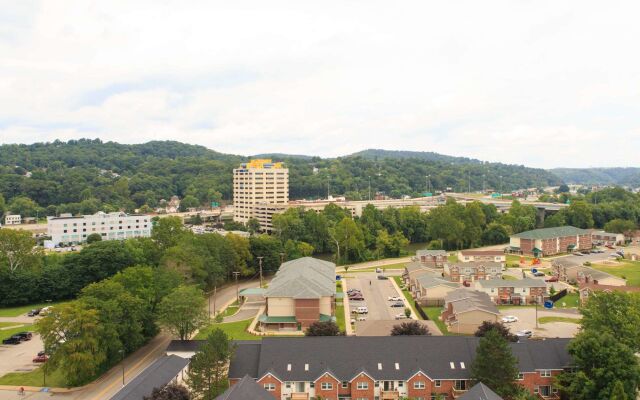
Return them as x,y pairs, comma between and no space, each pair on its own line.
468,300
245,389
415,266
427,280
518,283
480,392
431,253
304,278
157,375
549,233
348,356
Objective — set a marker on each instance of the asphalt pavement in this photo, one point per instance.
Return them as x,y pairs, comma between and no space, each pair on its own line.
375,293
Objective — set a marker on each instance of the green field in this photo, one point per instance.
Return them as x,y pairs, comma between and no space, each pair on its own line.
546,320
452,258
16,311
340,319
33,378
235,330
7,333
571,300
630,270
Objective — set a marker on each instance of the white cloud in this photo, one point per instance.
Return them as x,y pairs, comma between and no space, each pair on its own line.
540,83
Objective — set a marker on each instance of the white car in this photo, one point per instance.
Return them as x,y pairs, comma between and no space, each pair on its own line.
509,318
401,316
394,298
526,333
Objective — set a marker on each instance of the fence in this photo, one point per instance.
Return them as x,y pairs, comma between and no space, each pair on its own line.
420,311
558,295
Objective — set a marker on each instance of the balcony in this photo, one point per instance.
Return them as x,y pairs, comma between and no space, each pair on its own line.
389,395
299,396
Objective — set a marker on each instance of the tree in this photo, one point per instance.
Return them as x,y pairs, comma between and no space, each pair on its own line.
326,328
602,362
615,313
413,328
189,202
94,237
350,239
620,226
499,327
170,392
207,375
167,232
17,250
579,214
23,206
495,365
183,311
618,392
495,233
563,188
71,335
253,226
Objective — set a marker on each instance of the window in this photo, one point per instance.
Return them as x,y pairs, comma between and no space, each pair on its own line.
362,385
345,384
544,391
437,383
326,386
270,387
460,384
287,385
545,373
520,376
418,385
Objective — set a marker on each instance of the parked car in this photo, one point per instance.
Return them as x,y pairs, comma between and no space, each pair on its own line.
40,358
509,318
352,291
585,252
356,298
361,318
538,274
525,333
394,298
33,312
378,270
608,246
24,335
12,340
41,353
401,316
578,254
382,277
362,310
466,284
397,304
551,279
353,320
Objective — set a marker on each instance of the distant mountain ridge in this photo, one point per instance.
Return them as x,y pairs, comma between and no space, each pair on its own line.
629,176
419,155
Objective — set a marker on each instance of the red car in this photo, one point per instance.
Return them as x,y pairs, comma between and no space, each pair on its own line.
40,358
552,279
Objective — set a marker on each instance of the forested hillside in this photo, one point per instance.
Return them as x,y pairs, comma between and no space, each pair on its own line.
599,176
420,155
83,176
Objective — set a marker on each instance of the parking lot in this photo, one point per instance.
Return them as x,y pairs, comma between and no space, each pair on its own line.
375,293
527,320
17,358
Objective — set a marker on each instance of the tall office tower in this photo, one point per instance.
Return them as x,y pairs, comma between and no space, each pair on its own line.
260,189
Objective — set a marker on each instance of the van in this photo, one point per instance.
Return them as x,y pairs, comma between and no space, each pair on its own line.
362,310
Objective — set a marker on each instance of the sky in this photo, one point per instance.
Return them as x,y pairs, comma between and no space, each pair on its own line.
534,82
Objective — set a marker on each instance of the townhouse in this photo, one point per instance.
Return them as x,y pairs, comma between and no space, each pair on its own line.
432,258
600,237
589,289
384,368
465,310
430,290
498,256
549,241
517,292
302,292
473,271
414,269
569,271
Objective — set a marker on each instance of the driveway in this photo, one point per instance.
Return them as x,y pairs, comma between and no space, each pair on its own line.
375,293
248,310
527,320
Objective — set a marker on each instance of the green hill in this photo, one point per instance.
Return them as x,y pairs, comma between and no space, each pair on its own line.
599,176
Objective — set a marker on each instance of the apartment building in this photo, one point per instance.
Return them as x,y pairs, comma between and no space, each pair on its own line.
68,229
430,290
549,241
432,258
472,271
302,292
465,310
498,256
12,219
260,189
384,368
517,292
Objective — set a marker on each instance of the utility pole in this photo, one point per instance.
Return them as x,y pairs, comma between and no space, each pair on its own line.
260,264
235,274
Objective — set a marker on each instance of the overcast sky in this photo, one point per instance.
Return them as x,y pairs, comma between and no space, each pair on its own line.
540,83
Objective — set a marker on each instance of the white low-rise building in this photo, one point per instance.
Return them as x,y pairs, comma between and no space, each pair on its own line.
68,229
12,219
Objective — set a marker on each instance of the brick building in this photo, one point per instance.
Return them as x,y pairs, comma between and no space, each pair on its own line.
473,271
517,292
549,241
302,292
465,310
385,368
432,258
498,256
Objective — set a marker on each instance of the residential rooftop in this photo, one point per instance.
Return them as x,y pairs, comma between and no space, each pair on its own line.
518,283
550,233
304,278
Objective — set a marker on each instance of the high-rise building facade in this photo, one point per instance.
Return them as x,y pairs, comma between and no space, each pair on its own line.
260,188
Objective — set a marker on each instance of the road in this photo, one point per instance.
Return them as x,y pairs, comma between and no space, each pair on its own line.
109,383
375,296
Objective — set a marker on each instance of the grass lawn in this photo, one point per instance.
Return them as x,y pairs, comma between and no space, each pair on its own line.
235,330
453,257
7,333
407,295
434,315
546,320
232,309
571,300
15,311
384,268
33,378
340,320
630,270
509,278
6,324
